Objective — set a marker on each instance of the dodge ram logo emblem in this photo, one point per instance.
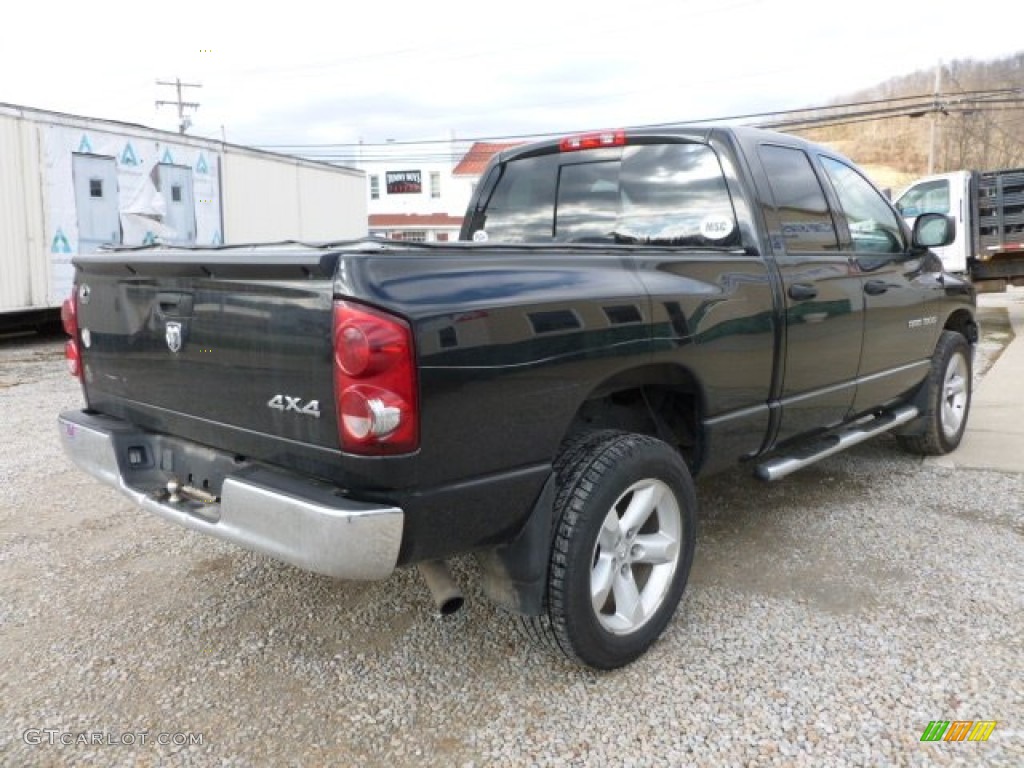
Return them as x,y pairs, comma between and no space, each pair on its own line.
173,336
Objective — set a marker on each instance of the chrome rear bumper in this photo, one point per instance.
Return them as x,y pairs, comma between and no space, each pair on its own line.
289,517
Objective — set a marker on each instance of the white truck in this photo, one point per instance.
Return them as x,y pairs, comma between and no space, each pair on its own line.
989,210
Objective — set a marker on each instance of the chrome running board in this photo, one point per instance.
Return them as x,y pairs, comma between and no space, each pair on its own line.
828,444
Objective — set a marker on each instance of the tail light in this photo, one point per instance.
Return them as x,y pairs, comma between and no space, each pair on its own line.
69,319
375,387
593,141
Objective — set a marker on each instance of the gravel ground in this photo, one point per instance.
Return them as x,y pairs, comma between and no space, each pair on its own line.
830,617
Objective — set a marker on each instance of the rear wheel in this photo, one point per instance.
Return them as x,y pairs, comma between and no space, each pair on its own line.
947,398
622,550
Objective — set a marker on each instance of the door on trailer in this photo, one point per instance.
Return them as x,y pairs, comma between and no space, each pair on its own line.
175,184
95,180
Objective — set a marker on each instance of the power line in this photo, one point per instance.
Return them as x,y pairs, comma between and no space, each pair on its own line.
184,121
927,101
832,115
342,155
916,110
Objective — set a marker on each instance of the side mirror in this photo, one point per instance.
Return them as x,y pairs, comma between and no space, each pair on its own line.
933,230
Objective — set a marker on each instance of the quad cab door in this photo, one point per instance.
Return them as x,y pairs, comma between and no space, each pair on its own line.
822,295
900,287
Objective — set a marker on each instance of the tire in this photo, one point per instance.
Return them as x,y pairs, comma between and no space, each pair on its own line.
947,399
625,533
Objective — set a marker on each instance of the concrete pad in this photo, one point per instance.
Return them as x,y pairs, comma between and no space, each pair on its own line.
995,428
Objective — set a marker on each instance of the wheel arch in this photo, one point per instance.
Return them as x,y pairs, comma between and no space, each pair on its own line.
663,400
962,321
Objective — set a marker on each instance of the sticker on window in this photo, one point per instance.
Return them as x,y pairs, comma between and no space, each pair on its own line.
480,236
716,227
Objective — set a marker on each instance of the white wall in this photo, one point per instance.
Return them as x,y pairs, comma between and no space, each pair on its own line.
263,197
24,262
269,198
136,154
426,158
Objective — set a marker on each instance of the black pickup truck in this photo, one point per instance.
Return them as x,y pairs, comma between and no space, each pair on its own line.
624,310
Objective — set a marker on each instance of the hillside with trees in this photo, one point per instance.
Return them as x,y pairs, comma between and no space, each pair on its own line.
976,113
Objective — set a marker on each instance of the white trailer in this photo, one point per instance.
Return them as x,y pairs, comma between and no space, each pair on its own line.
70,184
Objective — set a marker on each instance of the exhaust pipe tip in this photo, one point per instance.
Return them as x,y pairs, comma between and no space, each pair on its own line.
451,605
447,596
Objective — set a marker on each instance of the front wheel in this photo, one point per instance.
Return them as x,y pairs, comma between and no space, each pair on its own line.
622,550
947,398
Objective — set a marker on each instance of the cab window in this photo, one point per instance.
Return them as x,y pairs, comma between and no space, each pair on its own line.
520,203
652,194
873,225
804,217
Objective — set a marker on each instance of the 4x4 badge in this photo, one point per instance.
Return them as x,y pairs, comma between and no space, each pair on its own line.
173,336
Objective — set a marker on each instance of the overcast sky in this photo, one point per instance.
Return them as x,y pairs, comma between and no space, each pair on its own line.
304,73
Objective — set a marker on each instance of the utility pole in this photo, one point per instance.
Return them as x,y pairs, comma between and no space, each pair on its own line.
937,111
184,121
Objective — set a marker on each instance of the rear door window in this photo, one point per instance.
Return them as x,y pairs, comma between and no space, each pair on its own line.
804,217
656,194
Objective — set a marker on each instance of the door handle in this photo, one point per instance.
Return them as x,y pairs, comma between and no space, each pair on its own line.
802,291
875,287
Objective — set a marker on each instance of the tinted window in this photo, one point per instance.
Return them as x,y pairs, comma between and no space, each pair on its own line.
873,224
675,193
661,194
522,204
588,201
803,213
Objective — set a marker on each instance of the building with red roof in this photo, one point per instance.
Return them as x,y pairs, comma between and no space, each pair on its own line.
476,159
419,192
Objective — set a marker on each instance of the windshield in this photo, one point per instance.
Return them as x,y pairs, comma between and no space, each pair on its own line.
657,194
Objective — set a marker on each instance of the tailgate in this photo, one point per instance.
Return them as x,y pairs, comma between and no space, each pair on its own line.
227,347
